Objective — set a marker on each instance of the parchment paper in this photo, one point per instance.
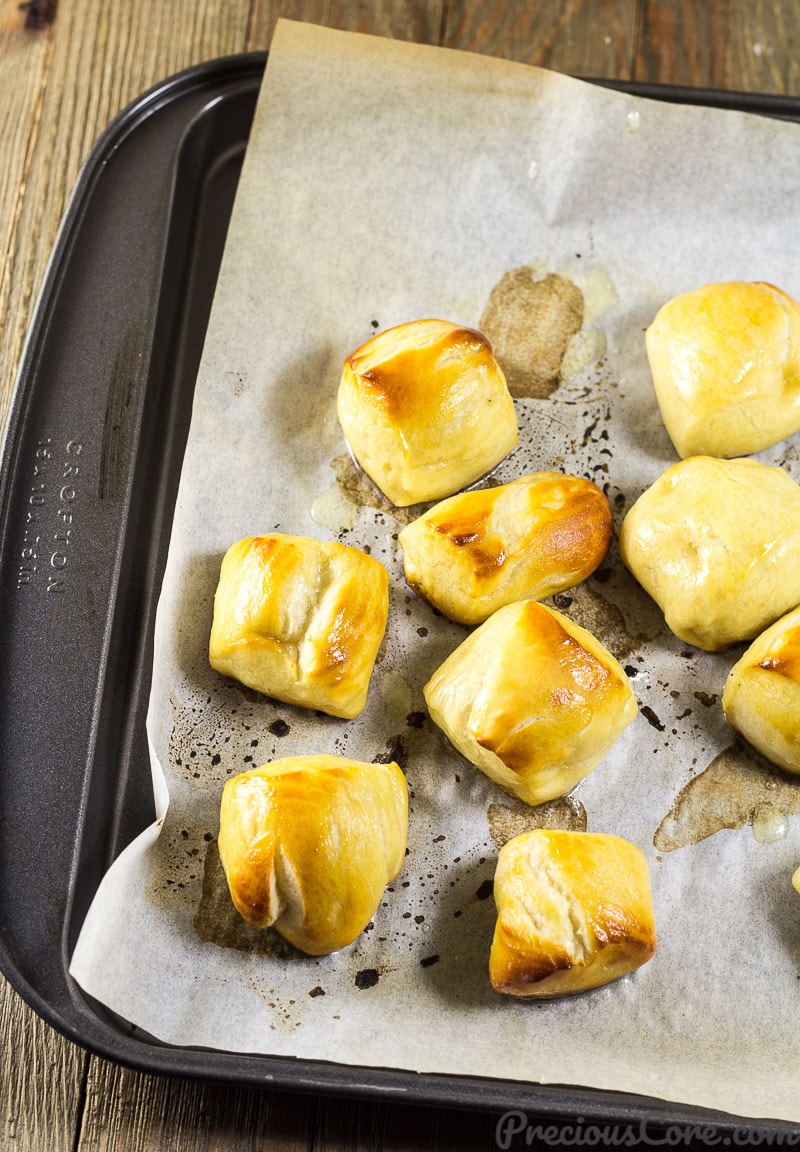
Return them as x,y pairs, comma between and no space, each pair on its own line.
386,182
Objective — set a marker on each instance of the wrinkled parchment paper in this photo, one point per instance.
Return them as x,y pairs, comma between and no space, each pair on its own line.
386,182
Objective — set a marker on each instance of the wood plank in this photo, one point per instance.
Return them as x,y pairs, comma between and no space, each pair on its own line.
98,58
417,20
581,37
127,1110
41,1081
264,15
23,62
24,58
746,45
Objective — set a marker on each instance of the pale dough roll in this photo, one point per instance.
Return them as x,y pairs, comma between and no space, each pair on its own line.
300,620
426,410
725,361
309,843
532,699
715,543
575,911
475,552
762,693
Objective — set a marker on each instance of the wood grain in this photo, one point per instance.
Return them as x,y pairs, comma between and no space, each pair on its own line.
417,20
132,1110
581,37
41,1081
745,45
24,61
264,15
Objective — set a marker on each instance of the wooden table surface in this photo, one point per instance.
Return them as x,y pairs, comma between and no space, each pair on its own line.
66,68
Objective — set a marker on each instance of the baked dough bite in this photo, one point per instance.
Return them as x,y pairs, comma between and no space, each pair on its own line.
532,699
309,843
715,543
426,410
574,911
479,550
725,361
761,698
300,620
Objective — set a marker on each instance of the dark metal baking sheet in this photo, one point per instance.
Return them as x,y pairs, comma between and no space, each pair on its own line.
90,468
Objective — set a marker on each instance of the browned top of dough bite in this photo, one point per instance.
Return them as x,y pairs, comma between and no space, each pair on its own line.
579,683
436,355
783,655
580,524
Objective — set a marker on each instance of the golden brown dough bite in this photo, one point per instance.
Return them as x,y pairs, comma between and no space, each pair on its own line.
479,550
762,693
532,699
300,620
715,543
426,410
725,361
574,912
309,843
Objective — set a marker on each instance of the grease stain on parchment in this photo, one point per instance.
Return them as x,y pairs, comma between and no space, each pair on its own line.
284,1011
212,739
331,509
216,920
397,695
584,349
177,877
592,611
506,822
529,319
357,488
730,793
599,294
